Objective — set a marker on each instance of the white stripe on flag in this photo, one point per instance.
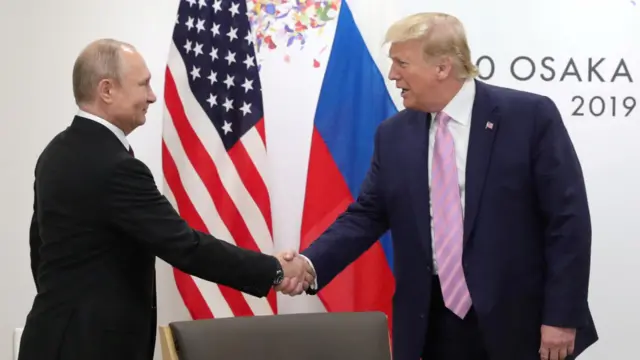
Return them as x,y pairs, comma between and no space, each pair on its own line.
210,139
203,204
257,151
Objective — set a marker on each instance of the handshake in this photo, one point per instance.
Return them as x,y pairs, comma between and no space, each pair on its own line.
298,273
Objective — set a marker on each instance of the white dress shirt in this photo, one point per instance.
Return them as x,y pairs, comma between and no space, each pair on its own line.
459,109
114,129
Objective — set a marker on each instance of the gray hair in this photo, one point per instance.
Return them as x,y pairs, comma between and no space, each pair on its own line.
102,59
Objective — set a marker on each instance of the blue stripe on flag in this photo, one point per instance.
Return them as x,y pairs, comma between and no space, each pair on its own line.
353,101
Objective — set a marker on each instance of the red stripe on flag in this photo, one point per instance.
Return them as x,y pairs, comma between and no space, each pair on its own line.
190,293
368,283
207,170
188,289
185,207
257,190
260,128
252,180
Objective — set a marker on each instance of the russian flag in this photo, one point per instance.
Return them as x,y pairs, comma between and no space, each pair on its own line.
353,101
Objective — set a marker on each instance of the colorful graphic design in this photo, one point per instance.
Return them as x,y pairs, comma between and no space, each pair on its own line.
290,23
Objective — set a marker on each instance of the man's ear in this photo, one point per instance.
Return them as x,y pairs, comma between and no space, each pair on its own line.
105,90
444,68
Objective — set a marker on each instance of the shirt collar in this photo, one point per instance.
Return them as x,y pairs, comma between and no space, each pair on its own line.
114,129
461,106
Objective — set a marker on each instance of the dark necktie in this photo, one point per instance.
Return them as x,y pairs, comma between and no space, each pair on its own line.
131,151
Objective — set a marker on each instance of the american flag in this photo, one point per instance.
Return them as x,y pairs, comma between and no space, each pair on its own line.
213,144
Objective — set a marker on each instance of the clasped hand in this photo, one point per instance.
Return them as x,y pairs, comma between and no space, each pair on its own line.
298,273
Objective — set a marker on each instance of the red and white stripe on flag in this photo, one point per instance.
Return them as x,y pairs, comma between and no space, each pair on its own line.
213,145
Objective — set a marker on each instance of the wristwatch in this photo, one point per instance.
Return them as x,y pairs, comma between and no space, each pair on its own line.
279,274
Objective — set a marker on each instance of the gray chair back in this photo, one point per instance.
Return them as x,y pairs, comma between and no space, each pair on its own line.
321,336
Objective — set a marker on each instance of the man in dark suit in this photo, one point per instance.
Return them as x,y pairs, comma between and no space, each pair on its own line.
485,198
99,222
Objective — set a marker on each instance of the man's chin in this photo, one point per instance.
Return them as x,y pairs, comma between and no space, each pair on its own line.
137,123
409,103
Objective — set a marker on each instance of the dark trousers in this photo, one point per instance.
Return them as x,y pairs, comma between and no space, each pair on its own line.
448,336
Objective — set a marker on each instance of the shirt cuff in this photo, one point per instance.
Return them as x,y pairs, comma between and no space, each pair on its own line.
313,286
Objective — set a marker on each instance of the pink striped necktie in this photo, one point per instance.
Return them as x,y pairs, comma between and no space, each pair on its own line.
447,220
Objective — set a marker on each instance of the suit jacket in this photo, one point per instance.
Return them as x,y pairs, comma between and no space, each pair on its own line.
99,222
527,230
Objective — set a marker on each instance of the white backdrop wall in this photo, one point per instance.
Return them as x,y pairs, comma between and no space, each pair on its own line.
41,39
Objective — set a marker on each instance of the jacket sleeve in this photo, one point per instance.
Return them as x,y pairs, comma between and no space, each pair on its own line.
34,240
136,207
564,208
353,232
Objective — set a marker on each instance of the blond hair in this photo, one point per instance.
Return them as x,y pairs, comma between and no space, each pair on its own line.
441,35
102,59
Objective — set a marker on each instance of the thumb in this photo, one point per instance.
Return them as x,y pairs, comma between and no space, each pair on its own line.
289,255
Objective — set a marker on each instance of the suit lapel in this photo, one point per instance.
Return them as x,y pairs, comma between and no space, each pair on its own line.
484,127
418,143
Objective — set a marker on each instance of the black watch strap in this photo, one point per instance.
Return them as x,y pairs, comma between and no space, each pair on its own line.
279,276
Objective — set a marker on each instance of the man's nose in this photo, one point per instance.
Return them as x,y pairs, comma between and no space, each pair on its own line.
152,97
393,74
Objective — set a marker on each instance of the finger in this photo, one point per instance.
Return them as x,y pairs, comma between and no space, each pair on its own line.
544,353
293,282
297,290
553,353
289,255
309,269
283,285
562,353
287,286
308,278
571,347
